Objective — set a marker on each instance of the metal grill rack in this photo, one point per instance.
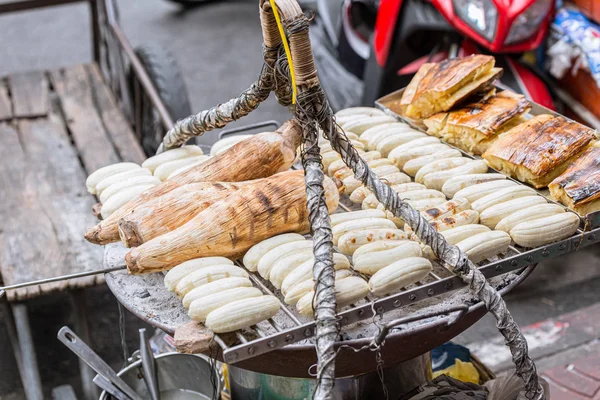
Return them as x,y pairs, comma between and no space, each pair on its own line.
272,335
288,327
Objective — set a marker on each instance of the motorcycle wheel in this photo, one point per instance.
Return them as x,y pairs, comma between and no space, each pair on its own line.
168,80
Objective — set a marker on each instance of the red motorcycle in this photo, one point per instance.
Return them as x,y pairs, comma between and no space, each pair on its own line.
365,48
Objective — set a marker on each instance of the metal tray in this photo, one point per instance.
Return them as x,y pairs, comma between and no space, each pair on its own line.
589,221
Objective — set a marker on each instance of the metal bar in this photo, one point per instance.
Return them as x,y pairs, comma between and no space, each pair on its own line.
142,75
12,334
32,384
249,127
86,374
26,5
62,278
446,285
241,337
95,22
220,342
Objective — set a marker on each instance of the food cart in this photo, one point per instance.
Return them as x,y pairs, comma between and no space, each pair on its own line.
378,344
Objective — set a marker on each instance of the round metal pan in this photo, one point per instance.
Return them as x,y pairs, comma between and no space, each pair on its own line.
295,360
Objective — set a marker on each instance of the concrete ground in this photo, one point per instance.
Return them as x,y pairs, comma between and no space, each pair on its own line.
218,47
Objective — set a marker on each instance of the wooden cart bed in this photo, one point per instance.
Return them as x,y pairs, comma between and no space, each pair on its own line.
56,127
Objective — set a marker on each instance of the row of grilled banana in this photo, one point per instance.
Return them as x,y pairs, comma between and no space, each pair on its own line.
380,250
220,294
116,184
441,172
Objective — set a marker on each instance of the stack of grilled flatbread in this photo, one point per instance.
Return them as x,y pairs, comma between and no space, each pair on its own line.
579,186
439,87
475,126
539,150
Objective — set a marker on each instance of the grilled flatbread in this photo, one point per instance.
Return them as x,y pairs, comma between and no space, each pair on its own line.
475,126
539,150
579,186
449,83
407,97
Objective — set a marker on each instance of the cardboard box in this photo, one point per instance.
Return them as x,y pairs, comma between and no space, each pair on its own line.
591,8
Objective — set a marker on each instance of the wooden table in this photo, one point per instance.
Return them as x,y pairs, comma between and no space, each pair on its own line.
56,127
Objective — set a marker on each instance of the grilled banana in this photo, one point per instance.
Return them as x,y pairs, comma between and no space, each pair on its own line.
413,166
465,217
545,230
436,180
362,223
164,170
399,274
494,214
502,196
463,232
300,289
206,275
272,256
440,165
362,125
177,273
446,209
425,204
304,271
256,252
371,257
200,308
287,264
339,164
120,177
100,174
475,192
127,183
422,194
347,291
371,136
242,313
485,245
214,287
349,242
457,183
117,200
175,154
388,143
337,219
528,214
359,111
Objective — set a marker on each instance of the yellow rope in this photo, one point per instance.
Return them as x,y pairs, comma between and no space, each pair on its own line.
286,46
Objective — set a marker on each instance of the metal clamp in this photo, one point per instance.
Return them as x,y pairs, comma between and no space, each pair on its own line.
233,131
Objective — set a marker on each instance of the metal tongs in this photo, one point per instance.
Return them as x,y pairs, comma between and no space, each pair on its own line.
107,378
149,366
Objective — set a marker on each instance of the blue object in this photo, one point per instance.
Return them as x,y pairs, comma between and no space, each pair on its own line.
577,30
445,355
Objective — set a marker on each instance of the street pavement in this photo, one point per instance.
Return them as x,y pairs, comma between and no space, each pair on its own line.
218,48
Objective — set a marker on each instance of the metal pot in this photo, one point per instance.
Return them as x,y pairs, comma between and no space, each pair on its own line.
180,376
399,379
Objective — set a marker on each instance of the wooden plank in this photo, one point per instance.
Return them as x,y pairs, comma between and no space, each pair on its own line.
29,91
46,211
114,121
5,104
91,139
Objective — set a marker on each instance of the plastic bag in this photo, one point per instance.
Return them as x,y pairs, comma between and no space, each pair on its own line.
510,387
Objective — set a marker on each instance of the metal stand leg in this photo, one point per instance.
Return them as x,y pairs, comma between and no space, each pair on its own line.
26,359
90,390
